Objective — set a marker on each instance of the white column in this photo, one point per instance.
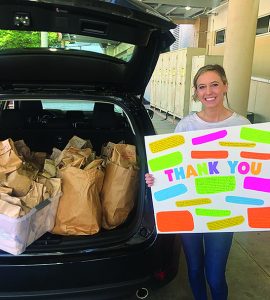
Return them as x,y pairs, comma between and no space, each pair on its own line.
239,49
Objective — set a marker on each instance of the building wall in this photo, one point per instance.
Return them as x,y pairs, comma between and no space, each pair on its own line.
258,102
261,59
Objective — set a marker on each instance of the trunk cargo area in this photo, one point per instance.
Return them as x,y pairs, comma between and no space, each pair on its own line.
44,125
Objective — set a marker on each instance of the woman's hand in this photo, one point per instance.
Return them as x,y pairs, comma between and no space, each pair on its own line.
149,179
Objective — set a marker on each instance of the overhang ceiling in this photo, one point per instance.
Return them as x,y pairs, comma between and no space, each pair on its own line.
176,9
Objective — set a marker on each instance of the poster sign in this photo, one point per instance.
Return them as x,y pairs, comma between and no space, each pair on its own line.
211,180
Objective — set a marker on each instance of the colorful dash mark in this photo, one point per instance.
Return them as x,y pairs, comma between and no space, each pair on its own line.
259,217
255,155
244,200
166,143
192,202
237,144
215,184
257,184
209,154
174,221
165,161
209,137
225,223
170,192
212,212
255,135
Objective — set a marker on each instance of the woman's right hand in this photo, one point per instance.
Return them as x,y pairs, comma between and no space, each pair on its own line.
149,179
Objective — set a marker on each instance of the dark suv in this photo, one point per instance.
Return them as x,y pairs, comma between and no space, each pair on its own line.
80,68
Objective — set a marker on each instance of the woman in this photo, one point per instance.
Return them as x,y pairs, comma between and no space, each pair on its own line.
207,253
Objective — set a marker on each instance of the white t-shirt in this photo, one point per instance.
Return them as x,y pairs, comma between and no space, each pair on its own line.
194,122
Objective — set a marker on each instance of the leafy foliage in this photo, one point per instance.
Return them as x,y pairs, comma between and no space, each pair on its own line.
24,39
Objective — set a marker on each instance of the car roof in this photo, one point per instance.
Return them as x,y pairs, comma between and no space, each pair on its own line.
120,21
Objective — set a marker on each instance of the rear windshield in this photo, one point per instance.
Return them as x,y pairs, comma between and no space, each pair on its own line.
14,39
63,105
76,105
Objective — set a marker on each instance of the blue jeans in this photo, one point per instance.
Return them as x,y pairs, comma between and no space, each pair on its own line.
206,256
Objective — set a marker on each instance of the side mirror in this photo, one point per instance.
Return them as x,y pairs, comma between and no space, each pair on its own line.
150,113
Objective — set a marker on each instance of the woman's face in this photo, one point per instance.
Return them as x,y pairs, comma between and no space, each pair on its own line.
211,89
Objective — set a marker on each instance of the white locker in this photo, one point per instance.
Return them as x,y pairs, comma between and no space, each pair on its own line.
172,93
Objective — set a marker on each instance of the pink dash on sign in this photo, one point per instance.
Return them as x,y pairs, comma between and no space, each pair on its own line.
209,137
257,184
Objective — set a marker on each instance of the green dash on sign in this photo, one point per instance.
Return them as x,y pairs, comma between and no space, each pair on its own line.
212,212
255,135
215,184
165,161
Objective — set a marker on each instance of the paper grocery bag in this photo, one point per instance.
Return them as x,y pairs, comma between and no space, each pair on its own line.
124,155
77,142
53,186
5,190
9,158
106,150
21,179
11,206
74,157
79,210
35,195
118,194
49,169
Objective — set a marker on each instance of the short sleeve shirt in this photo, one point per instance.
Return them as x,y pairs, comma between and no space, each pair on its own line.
194,122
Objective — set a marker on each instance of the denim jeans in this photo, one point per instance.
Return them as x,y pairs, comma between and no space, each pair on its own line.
206,256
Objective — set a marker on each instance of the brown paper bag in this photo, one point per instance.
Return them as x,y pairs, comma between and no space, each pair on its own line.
74,157
118,194
53,186
35,195
49,169
55,154
124,155
11,206
10,210
5,190
79,209
21,179
77,142
9,158
106,150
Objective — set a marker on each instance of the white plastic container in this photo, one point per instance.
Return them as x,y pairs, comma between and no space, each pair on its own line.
18,233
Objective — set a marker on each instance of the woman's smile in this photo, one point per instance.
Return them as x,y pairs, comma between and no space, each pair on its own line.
210,89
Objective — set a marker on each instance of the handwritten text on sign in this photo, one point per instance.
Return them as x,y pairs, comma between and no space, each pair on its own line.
214,180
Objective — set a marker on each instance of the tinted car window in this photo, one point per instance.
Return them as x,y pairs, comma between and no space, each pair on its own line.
13,39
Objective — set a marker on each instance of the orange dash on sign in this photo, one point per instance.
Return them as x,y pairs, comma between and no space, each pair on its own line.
209,154
173,221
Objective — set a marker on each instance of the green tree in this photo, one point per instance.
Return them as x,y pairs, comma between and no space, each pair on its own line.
24,39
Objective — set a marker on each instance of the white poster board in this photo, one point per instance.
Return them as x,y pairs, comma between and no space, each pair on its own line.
211,180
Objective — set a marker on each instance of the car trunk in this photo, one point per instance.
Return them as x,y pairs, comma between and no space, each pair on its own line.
55,124
130,36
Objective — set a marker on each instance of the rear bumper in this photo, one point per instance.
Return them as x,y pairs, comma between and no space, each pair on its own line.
102,292
101,278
